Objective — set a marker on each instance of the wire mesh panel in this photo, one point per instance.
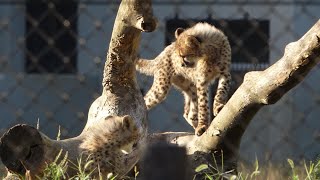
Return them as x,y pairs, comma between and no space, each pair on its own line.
53,52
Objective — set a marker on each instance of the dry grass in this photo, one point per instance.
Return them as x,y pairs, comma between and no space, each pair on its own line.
266,172
289,170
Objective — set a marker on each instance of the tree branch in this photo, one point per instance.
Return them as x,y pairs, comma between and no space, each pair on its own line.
262,88
25,148
121,95
259,88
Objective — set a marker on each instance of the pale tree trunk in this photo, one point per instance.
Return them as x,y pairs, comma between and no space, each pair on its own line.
121,96
25,148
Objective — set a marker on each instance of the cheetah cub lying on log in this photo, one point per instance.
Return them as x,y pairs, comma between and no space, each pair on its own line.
110,140
200,54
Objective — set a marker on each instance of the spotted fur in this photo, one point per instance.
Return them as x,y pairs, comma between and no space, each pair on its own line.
107,144
199,55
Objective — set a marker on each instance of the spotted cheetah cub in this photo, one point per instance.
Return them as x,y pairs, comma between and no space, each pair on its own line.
109,141
199,55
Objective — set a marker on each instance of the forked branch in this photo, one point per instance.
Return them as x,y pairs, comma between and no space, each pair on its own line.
25,148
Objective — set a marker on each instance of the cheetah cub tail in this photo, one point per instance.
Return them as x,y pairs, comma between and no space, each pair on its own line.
146,66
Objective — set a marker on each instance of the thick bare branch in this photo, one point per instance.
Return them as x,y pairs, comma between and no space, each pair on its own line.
25,148
259,88
121,95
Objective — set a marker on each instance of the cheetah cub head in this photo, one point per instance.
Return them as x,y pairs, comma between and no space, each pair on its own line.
188,47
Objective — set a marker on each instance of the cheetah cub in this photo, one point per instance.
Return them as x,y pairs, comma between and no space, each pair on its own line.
199,55
109,141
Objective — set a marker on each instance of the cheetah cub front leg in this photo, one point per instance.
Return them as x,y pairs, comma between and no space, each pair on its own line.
203,108
159,89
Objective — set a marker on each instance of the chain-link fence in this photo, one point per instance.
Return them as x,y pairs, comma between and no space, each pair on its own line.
52,54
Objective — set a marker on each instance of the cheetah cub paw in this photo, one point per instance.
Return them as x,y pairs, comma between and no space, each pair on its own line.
217,108
201,129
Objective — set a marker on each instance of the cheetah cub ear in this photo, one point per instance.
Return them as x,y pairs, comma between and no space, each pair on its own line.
178,32
128,123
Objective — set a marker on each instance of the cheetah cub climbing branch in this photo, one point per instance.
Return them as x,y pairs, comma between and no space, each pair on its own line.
199,55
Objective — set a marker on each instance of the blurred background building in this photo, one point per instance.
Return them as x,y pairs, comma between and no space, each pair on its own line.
52,54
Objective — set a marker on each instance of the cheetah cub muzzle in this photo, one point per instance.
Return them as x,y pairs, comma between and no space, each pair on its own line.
199,55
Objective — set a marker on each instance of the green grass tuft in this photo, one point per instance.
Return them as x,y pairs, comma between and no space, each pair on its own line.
55,170
83,173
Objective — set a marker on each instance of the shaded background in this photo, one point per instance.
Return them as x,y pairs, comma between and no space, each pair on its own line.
52,54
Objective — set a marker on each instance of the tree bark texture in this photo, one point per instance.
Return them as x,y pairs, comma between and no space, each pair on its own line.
25,148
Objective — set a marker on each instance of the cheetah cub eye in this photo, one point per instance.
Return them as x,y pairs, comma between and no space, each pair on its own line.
188,61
